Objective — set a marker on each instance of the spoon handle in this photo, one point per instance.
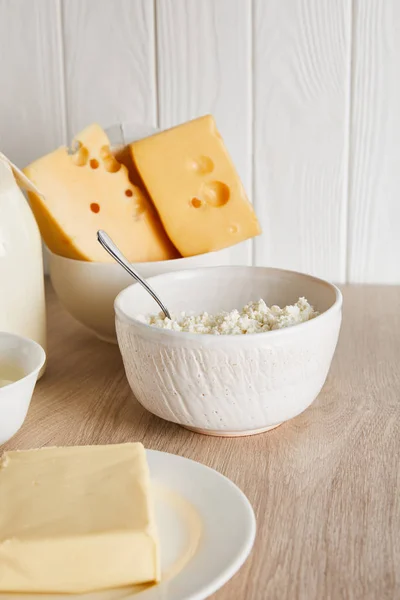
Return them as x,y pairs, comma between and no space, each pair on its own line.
117,255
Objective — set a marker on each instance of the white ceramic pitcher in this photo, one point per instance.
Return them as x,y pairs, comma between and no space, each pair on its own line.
22,301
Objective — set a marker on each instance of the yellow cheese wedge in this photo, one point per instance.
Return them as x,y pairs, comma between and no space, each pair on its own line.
76,519
86,190
194,185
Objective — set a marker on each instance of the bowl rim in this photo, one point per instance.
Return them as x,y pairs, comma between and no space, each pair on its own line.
136,264
28,342
146,328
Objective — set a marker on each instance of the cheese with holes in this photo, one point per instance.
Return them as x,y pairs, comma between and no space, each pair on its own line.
86,189
76,519
194,185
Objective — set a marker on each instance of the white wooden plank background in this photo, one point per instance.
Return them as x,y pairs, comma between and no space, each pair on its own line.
374,209
204,66
305,93
32,112
301,58
109,62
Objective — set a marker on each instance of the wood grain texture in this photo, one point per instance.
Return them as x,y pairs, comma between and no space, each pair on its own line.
324,485
32,115
374,205
204,66
301,87
109,62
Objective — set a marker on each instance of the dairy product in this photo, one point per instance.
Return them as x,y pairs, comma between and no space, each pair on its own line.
86,189
4,382
76,519
22,301
9,373
194,185
255,317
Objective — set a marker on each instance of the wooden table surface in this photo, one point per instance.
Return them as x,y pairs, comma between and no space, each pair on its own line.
325,486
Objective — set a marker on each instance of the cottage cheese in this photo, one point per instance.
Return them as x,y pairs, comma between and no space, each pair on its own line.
255,317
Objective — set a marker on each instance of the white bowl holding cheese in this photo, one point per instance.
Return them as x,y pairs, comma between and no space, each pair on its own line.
87,290
228,385
21,359
213,215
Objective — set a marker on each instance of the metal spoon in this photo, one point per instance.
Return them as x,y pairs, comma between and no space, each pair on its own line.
117,255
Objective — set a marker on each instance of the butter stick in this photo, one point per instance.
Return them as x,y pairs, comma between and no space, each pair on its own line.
77,519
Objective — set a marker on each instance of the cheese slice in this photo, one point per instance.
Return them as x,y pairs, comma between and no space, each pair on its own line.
76,519
194,185
86,189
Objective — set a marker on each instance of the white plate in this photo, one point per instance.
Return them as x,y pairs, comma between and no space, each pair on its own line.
227,522
206,527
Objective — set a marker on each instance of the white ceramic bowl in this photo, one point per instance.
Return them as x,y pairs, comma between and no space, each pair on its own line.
228,385
20,361
87,290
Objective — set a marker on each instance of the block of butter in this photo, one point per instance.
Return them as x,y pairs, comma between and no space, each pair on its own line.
195,187
77,519
86,189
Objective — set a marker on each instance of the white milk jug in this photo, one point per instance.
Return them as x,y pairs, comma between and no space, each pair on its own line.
22,301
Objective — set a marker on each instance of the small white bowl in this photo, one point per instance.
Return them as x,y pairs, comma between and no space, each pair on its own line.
228,385
20,361
87,290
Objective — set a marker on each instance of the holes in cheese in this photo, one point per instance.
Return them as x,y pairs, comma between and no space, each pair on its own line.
71,196
80,155
188,167
110,163
216,193
202,165
128,193
196,202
